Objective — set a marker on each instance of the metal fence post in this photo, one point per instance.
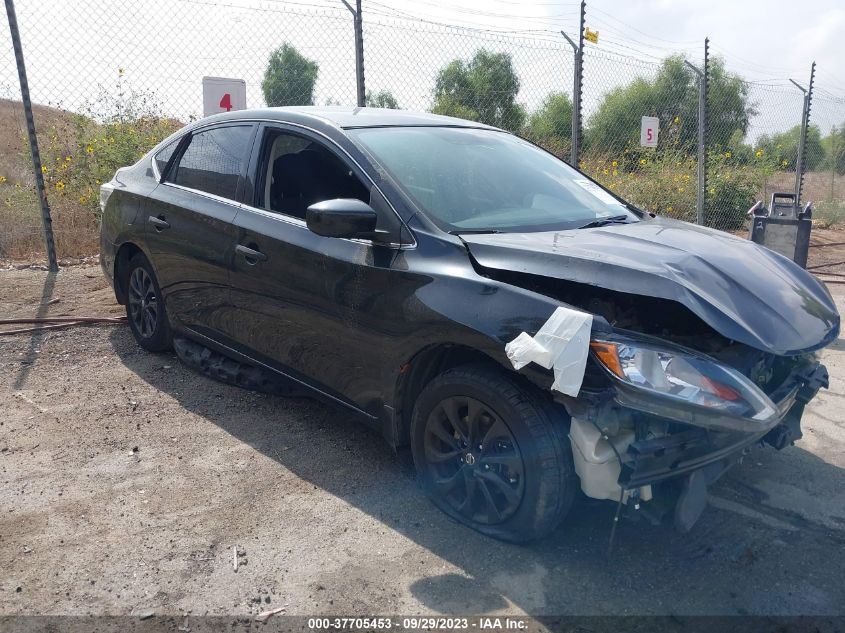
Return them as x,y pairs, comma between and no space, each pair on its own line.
360,90
576,90
701,168
359,56
802,139
33,139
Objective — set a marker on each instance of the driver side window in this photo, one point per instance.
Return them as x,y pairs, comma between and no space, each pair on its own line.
297,172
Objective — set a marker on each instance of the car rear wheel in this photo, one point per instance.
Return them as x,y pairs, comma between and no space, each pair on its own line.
493,453
145,307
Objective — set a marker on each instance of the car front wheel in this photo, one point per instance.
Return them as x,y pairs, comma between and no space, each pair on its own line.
145,307
493,453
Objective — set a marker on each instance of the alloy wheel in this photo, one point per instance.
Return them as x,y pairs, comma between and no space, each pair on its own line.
473,461
143,302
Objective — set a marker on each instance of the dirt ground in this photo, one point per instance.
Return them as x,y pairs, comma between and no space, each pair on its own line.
126,480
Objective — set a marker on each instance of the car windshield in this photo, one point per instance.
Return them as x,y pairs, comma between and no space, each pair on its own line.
471,180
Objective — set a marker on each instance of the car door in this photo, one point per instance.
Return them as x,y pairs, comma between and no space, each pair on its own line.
189,230
298,296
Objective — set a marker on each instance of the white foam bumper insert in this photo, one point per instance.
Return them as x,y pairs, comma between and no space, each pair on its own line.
561,344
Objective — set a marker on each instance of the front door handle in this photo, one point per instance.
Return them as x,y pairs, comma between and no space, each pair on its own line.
251,255
159,222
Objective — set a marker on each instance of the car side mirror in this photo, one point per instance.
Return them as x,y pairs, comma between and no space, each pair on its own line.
342,217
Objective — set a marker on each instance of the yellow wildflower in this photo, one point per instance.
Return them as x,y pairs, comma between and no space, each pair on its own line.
83,200
614,172
615,164
89,149
2,179
677,119
605,172
643,161
669,209
727,154
785,163
759,153
43,169
67,159
680,189
60,185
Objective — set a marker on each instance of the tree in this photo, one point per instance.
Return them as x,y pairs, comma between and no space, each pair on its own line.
382,99
483,89
782,148
834,149
672,96
289,78
551,125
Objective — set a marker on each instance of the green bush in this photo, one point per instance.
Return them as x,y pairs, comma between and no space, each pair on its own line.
665,181
116,131
660,181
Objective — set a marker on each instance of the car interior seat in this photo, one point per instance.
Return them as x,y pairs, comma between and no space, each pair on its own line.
311,175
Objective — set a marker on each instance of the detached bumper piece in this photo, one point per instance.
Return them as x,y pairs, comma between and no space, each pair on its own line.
701,456
789,430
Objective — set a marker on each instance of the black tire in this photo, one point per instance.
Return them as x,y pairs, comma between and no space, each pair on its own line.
536,438
145,306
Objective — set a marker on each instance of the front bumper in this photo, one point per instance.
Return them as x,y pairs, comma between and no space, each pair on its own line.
654,460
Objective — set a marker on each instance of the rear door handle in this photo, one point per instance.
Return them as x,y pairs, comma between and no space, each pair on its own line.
158,222
251,255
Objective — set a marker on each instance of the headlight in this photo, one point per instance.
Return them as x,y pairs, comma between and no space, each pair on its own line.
685,377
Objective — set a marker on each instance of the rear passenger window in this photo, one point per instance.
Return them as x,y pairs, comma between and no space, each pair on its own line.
214,160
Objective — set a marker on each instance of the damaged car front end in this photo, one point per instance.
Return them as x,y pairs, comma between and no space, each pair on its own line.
676,419
703,347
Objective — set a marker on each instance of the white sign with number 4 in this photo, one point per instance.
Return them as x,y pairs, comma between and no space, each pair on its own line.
648,131
220,94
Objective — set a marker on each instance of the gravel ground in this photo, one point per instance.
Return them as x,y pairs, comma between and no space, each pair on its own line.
127,481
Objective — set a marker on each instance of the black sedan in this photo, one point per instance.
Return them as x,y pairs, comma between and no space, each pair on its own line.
526,332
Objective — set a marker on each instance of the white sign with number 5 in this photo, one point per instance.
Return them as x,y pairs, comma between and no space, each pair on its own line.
220,94
648,131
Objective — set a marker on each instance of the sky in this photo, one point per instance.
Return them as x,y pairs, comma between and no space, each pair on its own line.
78,52
760,38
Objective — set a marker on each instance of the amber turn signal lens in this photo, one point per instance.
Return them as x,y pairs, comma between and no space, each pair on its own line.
608,356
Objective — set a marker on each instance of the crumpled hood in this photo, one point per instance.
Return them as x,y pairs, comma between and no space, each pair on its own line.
745,292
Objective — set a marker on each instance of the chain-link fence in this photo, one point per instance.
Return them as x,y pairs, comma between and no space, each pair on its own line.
660,179
110,78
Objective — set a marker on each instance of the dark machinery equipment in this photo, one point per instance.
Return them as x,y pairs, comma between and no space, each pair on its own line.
782,227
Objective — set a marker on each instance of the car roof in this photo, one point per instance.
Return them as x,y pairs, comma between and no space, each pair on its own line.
347,117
